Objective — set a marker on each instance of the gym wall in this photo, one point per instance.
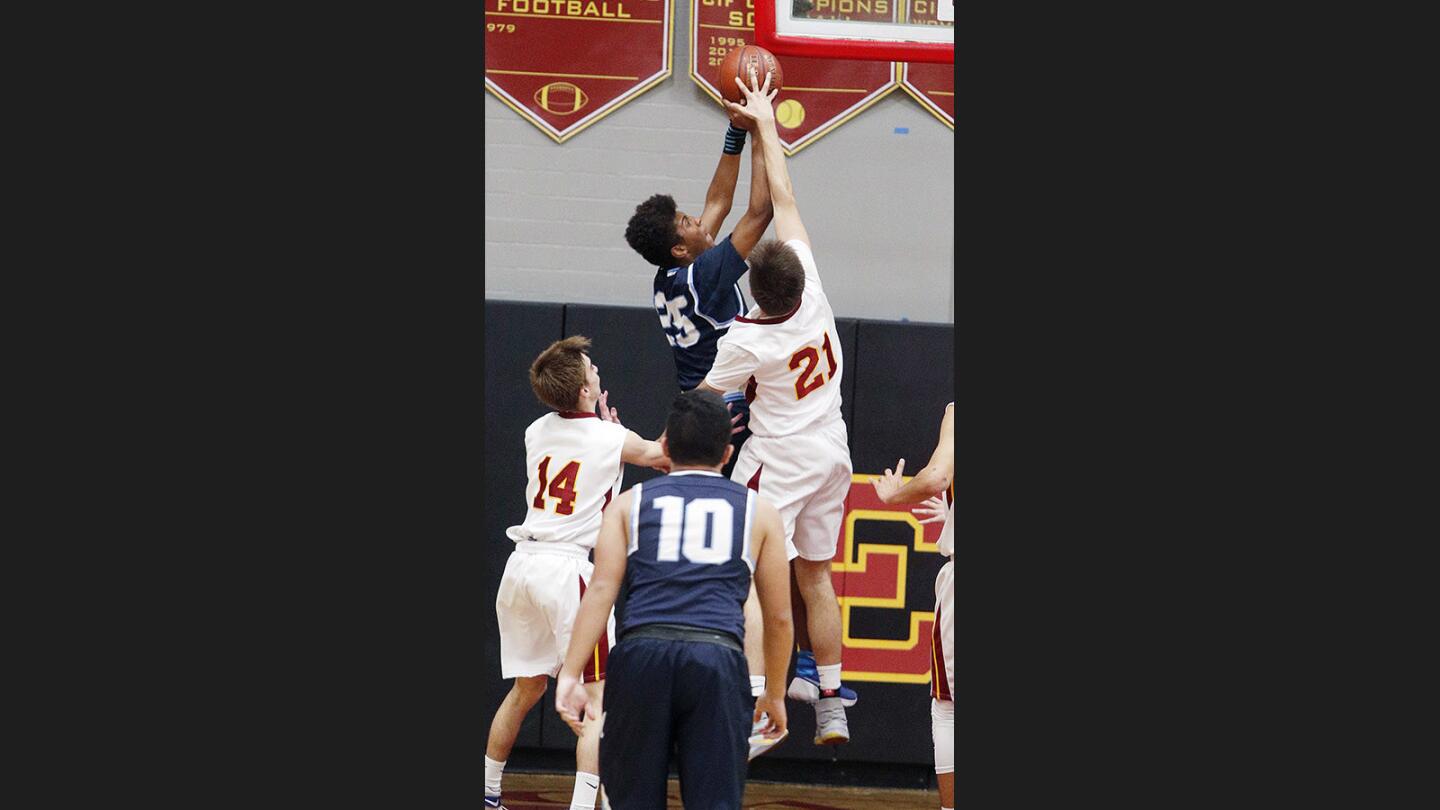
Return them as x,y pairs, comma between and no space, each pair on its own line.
879,205
897,382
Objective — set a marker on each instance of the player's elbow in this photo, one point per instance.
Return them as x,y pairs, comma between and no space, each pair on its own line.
932,480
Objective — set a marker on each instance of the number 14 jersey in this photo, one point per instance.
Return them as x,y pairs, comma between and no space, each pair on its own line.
574,470
788,365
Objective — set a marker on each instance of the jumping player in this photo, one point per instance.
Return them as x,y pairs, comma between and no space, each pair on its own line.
786,352
933,479
696,288
682,549
697,296
574,462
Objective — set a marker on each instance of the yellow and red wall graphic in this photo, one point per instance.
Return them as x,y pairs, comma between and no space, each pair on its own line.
884,575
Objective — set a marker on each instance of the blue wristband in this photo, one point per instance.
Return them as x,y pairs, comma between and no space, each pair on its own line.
734,140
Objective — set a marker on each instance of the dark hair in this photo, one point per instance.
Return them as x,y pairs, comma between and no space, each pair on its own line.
776,277
651,230
558,374
698,429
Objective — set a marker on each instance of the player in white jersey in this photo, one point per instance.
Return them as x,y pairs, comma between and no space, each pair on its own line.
933,479
574,463
785,354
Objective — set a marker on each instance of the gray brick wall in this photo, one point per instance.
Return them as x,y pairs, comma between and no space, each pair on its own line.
879,205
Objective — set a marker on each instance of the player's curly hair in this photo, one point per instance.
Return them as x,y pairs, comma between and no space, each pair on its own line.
697,430
776,277
558,374
651,230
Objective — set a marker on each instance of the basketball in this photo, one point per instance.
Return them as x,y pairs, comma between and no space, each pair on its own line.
738,62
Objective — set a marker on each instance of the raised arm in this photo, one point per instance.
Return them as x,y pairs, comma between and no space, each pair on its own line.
595,605
760,211
932,479
721,194
758,108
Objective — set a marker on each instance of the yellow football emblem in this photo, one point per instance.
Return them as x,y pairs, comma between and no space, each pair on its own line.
560,98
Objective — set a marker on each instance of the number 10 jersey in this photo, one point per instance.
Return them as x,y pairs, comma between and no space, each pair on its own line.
689,554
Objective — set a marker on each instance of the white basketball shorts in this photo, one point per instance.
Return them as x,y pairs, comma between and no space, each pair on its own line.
807,477
942,637
539,597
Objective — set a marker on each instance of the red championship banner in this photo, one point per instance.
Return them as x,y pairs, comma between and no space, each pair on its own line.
874,575
931,84
565,64
819,94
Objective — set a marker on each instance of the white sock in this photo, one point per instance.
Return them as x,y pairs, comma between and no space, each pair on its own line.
830,676
493,771
757,685
586,785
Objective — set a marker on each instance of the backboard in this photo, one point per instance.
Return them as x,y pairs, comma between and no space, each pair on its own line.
885,30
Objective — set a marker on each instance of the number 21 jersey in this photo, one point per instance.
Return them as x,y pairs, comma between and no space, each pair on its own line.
574,470
789,365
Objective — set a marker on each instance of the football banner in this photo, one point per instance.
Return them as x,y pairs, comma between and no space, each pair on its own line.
565,64
884,575
931,84
818,94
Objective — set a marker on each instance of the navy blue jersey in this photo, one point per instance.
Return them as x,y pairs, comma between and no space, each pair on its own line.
696,305
689,557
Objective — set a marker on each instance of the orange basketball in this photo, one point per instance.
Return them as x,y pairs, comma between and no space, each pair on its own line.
738,63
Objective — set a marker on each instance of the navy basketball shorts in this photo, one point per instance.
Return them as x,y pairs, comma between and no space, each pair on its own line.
690,696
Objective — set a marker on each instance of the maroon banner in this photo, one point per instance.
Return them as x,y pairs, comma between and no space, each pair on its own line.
565,64
819,94
931,84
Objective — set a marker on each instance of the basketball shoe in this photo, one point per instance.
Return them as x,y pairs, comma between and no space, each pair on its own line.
494,801
759,743
805,686
831,727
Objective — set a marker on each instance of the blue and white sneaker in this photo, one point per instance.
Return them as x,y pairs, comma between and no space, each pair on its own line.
494,801
805,686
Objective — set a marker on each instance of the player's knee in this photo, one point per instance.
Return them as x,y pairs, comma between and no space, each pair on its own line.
529,690
942,731
813,577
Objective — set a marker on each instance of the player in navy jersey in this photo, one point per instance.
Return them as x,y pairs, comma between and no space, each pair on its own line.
696,289
682,549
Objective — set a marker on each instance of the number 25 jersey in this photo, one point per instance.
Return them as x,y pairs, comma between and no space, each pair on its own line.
789,365
573,471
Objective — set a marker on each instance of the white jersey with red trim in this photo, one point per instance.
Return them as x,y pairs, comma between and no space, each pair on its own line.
573,469
789,366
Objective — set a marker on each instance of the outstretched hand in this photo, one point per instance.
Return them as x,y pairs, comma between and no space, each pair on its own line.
607,413
931,510
738,120
887,485
757,106
736,427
